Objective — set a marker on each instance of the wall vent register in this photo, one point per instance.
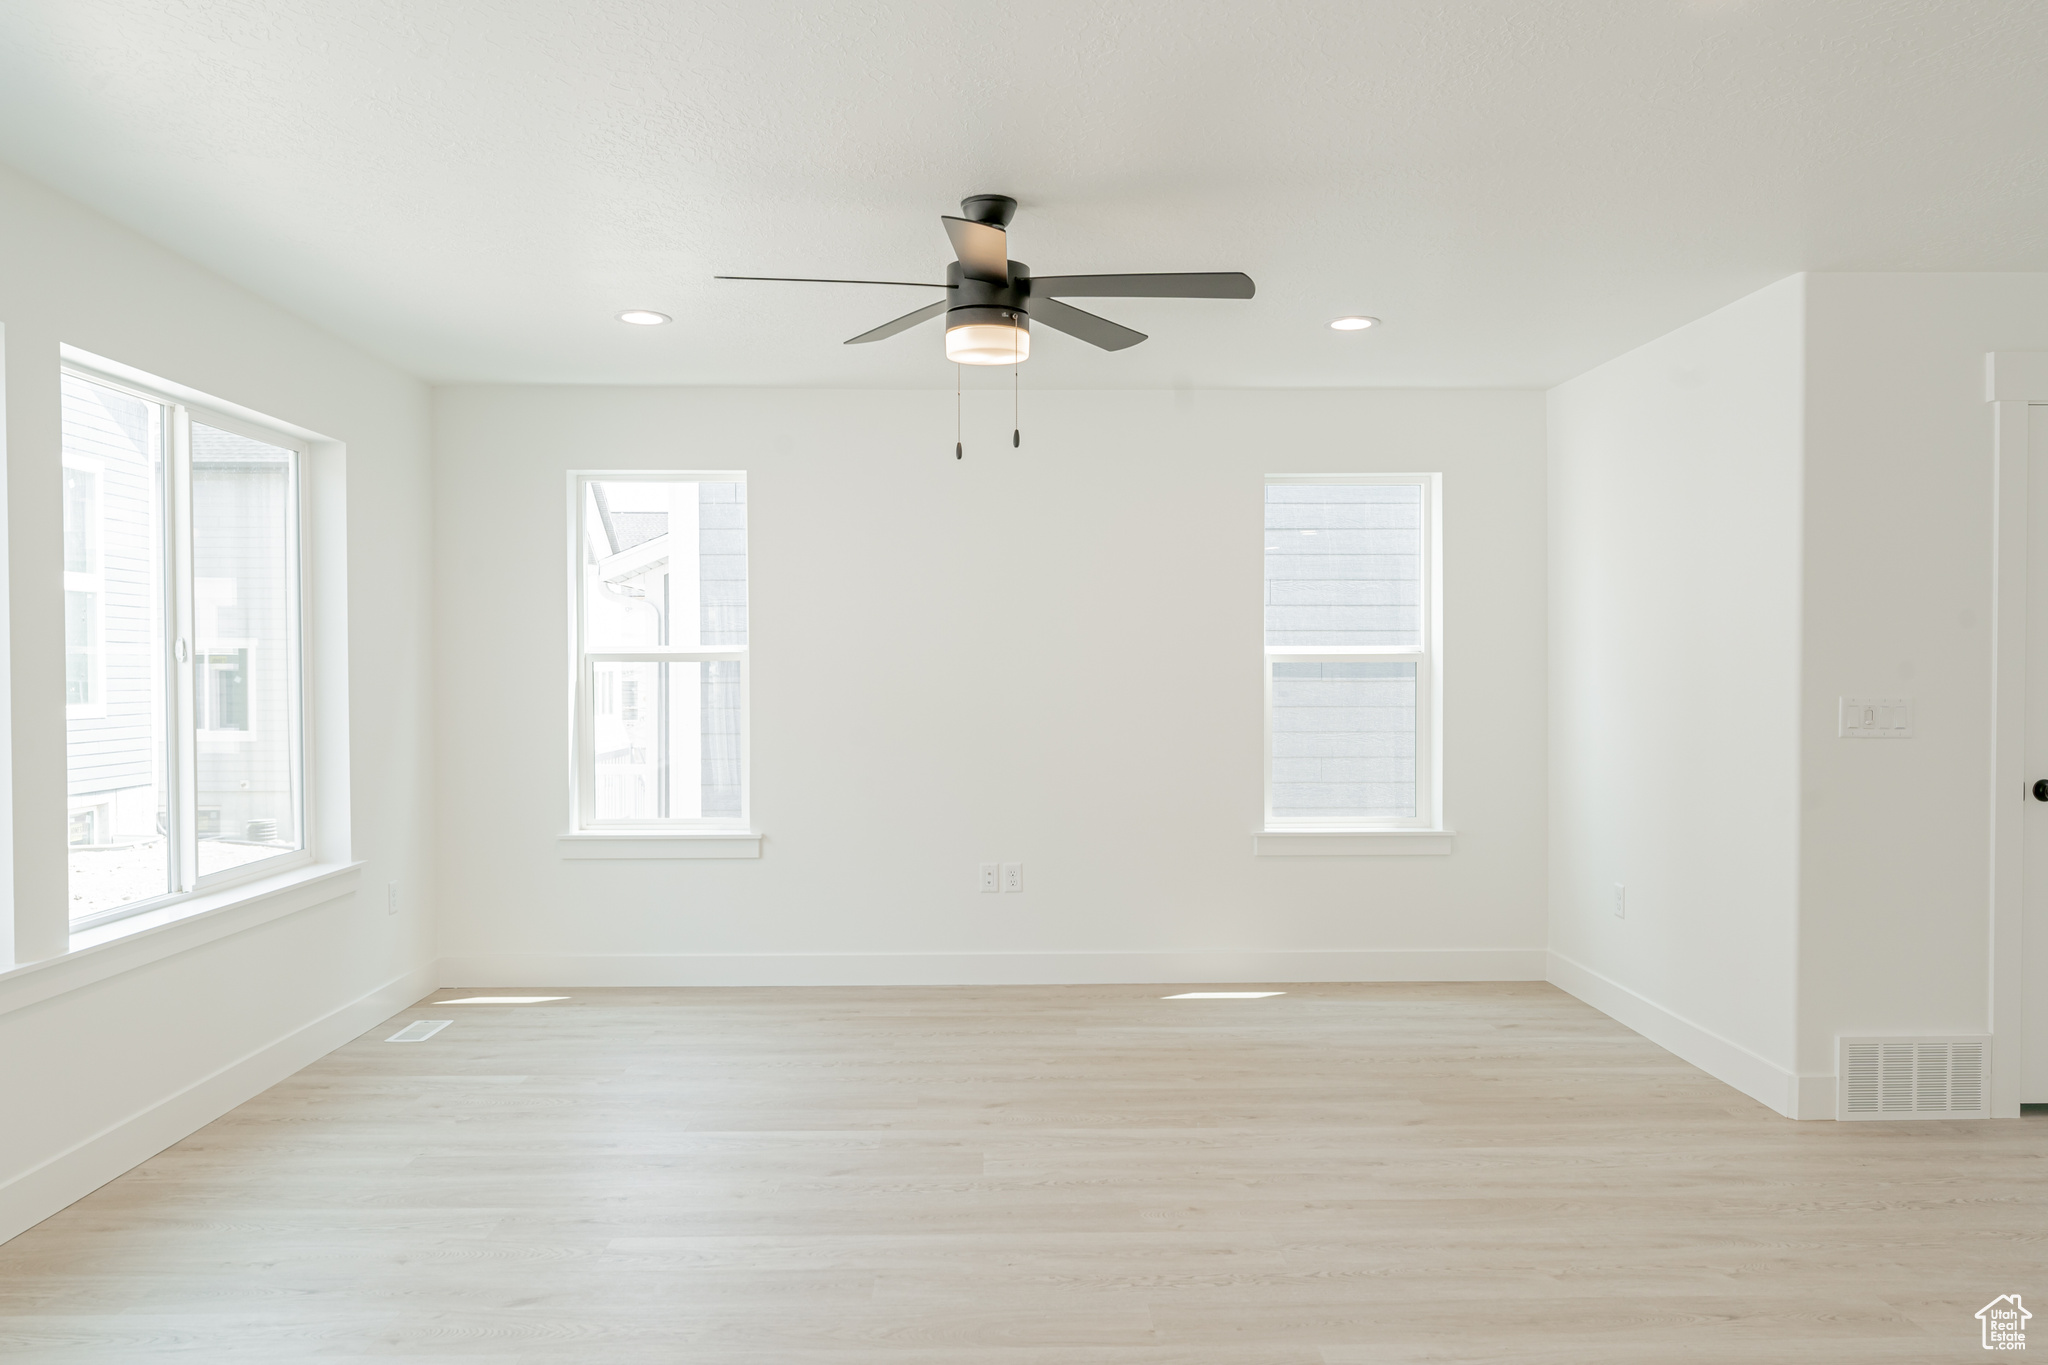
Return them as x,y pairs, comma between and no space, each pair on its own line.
419,1030
1913,1078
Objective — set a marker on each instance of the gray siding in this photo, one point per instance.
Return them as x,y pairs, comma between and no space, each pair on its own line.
1344,569
1343,740
1343,564
241,492
722,599
110,434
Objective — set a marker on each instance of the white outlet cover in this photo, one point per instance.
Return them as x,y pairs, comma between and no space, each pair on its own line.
1013,876
991,878
1875,718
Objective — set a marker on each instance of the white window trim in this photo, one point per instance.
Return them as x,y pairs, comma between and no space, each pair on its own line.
170,928
180,636
590,837
1343,835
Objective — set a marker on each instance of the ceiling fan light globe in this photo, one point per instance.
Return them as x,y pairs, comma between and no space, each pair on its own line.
988,343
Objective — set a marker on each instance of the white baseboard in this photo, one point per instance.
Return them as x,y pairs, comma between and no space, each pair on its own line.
1816,1098
69,1176
987,969
1762,1080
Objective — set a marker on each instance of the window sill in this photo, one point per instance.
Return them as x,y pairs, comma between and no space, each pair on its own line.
155,935
1352,843
709,843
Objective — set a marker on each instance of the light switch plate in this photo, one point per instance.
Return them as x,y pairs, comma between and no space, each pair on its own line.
991,878
1876,718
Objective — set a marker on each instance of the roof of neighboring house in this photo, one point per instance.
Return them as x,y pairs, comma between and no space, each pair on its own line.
637,528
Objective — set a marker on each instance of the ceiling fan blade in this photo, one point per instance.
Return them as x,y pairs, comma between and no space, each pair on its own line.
983,249
1215,284
802,279
902,324
1110,336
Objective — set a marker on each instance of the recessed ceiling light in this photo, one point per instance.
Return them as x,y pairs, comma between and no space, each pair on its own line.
1354,324
1222,995
644,317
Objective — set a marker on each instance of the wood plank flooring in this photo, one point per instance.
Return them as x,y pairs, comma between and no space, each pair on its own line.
1341,1175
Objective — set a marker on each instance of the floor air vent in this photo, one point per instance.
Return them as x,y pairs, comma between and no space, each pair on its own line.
1913,1078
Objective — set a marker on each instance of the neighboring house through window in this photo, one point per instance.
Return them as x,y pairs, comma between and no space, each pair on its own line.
82,586
660,641
185,757
1352,679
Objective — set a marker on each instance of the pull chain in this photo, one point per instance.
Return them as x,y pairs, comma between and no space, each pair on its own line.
958,448
1016,426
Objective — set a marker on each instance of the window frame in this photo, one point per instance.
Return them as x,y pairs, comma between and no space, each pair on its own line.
175,568
583,664
1427,658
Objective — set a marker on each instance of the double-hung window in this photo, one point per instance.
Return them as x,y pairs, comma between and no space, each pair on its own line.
659,591
185,760
1352,680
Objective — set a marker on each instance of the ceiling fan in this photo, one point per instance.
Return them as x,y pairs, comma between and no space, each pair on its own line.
991,299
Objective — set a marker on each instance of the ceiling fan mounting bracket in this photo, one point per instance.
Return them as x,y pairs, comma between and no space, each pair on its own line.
994,209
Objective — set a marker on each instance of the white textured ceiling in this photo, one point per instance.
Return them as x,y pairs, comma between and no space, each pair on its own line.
1520,188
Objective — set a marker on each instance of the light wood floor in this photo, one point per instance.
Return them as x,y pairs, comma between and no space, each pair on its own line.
1034,1176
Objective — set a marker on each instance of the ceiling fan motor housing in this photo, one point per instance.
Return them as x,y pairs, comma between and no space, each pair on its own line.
988,317
996,313
964,291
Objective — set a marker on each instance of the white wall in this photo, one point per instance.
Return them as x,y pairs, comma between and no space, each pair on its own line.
101,1075
1895,885
1675,491
1048,655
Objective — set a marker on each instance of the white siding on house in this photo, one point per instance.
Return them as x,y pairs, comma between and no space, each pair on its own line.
1343,740
113,735
243,586
1343,564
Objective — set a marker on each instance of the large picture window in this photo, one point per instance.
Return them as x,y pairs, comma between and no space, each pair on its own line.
1351,668
660,641
184,756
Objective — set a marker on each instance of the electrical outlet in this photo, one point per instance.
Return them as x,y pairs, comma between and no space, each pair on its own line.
991,878
391,898
1620,901
1013,876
